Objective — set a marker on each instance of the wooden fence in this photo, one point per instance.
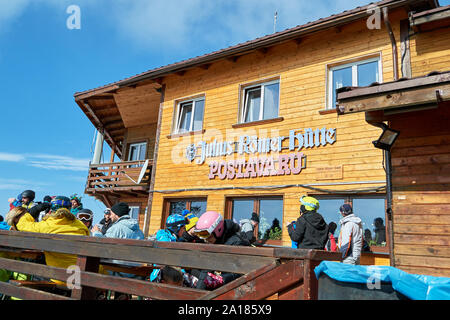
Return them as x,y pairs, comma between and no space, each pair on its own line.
267,272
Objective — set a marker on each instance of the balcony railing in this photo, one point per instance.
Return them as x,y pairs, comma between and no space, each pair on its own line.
117,176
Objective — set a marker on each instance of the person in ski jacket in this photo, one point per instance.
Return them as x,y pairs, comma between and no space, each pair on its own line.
248,227
215,230
123,225
77,206
331,243
351,235
311,230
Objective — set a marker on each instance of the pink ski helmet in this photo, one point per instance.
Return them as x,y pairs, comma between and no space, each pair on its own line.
210,222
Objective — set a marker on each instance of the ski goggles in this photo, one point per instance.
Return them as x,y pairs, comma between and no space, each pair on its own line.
204,234
84,216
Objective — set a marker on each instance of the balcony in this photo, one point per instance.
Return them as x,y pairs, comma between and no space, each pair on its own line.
119,179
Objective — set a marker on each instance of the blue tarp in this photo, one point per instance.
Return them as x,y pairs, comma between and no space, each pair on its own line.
415,287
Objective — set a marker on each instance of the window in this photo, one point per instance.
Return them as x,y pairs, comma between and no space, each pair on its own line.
355,74
134,212
269,210
190,115
368,208
137,151
196,206
260,102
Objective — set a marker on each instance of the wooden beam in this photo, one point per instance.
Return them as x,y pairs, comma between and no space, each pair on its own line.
422,96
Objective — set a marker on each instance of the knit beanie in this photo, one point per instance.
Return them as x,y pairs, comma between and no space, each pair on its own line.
120,209
255,217
346,209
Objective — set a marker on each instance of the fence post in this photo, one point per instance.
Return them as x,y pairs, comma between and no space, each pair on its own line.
90,264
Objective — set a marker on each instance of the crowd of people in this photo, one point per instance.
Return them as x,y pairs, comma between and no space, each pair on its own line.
66,215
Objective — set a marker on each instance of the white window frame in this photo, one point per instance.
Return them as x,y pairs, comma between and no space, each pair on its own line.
131,212
354,66
261,104
178,114
137,145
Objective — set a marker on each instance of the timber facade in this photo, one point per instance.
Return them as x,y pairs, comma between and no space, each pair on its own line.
253,127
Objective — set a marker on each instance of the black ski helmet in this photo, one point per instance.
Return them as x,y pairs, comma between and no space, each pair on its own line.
28,194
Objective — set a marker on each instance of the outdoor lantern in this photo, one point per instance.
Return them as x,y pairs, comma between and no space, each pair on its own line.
387,138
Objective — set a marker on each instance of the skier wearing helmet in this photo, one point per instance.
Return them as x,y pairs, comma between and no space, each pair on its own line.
310,230
215,230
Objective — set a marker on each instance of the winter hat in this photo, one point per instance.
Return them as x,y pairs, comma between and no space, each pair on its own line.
192,221
346,209
60,202
120,209
255,217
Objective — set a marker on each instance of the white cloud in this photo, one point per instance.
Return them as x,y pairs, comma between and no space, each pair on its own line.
11,157
55,162
185,24
19,184
47,161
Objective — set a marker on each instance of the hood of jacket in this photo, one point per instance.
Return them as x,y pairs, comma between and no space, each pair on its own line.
129,223
316,220
125,227
350,218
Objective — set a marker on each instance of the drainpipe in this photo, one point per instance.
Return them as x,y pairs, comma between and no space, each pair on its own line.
393,42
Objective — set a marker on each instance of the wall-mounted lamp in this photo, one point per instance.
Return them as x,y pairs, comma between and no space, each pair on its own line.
387,138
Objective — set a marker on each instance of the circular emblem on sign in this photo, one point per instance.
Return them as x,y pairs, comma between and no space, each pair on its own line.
191,151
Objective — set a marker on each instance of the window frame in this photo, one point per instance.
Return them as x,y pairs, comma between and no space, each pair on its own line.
354,64
243,96
256,208
131,206
130,146
178,113
166,206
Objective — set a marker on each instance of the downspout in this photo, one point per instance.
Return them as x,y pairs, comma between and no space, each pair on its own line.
387,154
393,42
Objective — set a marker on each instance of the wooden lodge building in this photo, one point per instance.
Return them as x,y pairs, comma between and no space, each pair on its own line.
253,127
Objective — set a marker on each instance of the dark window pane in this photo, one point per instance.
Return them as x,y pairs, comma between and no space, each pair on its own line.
177,207
367,73
329,209
341,78
253,104
369,210
270,219
185,117
198,116
242,209
198,207
271,93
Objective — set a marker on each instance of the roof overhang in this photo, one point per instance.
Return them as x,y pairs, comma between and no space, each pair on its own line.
403,95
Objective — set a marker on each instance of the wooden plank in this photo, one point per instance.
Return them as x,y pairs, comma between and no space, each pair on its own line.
265,284
106,282
28,293
310,283
434,240
423,261
239,282
423,228
423,250
139,252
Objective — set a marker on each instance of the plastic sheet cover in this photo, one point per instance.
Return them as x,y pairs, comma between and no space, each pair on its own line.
415,287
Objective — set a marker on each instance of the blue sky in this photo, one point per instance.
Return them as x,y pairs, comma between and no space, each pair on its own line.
47,142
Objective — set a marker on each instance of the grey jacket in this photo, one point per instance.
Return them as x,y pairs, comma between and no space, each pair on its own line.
350,239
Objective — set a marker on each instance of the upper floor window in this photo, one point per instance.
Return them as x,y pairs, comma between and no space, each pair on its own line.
137,151
134,212
356,74
260,102
189,115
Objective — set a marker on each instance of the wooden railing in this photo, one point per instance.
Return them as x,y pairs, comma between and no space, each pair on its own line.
118,176
267,272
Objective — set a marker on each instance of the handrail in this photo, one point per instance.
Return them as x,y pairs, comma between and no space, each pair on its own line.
271,270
